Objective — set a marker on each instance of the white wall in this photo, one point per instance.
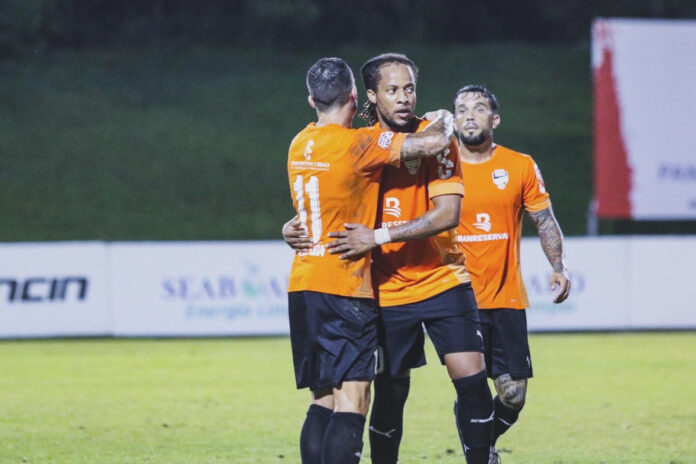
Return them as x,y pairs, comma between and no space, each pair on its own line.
238,288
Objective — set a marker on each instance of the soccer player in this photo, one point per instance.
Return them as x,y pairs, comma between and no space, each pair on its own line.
334,174
502,184
422,281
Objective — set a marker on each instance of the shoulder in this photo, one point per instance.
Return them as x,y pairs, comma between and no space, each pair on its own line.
514,157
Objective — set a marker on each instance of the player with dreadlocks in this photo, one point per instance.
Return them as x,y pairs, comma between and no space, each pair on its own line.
421,282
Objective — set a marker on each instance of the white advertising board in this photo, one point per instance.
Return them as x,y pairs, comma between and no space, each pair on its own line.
663,286
619,283
54,289
645,116
240,288
599,283
200,288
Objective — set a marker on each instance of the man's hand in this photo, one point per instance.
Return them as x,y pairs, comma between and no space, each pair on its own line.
560,280
440,120
432,115
352,243
295,235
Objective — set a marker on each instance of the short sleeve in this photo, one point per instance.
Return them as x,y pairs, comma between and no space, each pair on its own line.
374,148
445,172
534,195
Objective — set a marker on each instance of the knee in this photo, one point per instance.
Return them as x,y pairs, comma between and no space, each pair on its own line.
353,397
512,393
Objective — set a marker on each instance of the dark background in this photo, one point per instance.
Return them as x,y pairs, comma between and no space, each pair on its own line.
170,120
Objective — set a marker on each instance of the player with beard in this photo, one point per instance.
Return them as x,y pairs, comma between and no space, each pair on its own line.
422,281
501,185
334,174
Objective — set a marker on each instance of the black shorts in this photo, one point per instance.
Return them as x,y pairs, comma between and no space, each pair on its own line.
451,319
505,338
333,338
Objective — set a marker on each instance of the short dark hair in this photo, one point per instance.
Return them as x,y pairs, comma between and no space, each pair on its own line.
485,93
330,82
370,75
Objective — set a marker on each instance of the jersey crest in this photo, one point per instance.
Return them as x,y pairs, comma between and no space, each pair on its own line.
412,166
500,178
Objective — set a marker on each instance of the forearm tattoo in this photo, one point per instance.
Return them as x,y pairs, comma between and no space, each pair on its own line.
551,237
420,227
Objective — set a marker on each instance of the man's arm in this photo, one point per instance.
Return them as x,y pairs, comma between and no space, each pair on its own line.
552,243
358,239
432,140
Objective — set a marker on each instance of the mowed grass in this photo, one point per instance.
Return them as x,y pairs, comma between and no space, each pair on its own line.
596,398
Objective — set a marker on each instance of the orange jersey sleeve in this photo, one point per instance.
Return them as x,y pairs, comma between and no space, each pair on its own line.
413,271
534,196
498,192
334,175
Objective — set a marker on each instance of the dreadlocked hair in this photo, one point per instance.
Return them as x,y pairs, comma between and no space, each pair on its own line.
369,113
370,75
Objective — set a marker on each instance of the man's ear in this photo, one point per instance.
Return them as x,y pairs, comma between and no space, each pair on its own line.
372,96
496,121
310,100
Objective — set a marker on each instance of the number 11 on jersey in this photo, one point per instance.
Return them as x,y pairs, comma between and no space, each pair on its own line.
311,189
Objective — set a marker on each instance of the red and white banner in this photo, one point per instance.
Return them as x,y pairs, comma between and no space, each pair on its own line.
645,118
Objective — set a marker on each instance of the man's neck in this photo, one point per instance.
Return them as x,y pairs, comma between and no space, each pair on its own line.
342,117
476,154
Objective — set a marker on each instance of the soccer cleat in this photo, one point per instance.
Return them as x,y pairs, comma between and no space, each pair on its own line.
493,456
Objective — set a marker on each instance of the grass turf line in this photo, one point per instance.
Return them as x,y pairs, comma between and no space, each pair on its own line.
596,398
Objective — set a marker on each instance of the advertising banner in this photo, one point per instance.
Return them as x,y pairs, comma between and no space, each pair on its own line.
200,288
54,289
645,115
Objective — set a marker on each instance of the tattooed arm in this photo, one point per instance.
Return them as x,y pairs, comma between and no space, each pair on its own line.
357,239
432,140
552,243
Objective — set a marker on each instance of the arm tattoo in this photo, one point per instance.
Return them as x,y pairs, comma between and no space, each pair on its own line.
551,237
420,227
413,148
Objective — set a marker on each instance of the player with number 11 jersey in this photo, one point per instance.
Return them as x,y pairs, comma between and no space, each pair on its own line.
334,175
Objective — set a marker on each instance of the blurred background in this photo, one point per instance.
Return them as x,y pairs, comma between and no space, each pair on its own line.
170,120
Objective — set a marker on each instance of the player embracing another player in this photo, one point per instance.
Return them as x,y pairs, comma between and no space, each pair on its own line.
422,281
334,174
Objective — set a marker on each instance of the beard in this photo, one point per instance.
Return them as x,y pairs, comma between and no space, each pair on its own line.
406,126
473,140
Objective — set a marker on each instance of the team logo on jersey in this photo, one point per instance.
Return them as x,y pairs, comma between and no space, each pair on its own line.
542,187
413,166
500,178
483,222
308,150
385,139
392,207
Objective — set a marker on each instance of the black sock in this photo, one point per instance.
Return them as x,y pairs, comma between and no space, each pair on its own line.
504,418
387,418
343,439
474,416
312,435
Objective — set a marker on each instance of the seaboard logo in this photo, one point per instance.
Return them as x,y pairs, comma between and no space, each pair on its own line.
44,289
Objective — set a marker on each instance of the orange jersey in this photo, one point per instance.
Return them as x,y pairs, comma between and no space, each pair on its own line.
410,272
491,224
334,175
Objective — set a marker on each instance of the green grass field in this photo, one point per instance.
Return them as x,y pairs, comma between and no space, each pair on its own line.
596,398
